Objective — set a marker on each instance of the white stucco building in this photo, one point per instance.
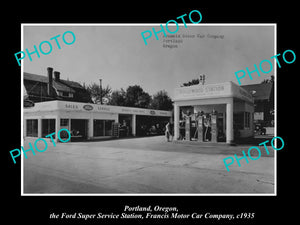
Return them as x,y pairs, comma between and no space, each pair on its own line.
233,104
89,121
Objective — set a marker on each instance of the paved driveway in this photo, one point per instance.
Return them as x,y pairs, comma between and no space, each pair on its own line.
144,165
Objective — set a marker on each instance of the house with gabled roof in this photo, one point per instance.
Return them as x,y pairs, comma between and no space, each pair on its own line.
39,88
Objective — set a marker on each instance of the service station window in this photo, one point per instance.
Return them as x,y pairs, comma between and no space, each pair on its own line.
242,120
103,127
32,128
247,120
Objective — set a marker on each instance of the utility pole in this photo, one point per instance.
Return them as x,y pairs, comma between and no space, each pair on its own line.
100,91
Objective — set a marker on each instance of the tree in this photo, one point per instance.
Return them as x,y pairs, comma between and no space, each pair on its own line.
136,97
94,91
144,100
161,101
117,97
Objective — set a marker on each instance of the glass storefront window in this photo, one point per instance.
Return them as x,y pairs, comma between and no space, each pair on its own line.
103,128
32,128
242,120
247,120
108,127
238,119
98,128
48,127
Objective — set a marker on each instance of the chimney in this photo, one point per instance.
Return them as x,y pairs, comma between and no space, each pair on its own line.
56,75
50,81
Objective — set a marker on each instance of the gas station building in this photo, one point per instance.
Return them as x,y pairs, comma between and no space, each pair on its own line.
87,121
220,112
213,112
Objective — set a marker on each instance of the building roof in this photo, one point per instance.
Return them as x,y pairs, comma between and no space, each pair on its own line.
62,87
34,77
36,88
44,79
58,85
259,91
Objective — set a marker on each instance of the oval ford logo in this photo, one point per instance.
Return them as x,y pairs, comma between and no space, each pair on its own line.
88,107
152,112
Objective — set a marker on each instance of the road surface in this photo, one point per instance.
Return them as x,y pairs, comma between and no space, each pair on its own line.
148,165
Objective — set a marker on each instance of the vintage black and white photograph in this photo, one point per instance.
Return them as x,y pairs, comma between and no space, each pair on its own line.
144,109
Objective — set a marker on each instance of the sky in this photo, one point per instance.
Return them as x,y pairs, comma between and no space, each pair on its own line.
118,55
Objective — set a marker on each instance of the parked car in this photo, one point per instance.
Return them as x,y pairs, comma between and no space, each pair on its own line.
260,129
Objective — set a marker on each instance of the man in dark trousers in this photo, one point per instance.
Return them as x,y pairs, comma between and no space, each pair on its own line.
169,131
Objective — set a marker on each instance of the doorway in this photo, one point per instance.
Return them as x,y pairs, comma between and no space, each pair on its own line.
221,128
79,128
125,128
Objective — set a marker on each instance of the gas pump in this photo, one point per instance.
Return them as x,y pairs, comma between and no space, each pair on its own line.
214,126
200,127
206,127
188,128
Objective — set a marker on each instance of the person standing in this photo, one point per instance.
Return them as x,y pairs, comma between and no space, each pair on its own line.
168,131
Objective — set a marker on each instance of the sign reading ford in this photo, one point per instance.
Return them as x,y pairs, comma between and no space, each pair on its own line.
88,107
